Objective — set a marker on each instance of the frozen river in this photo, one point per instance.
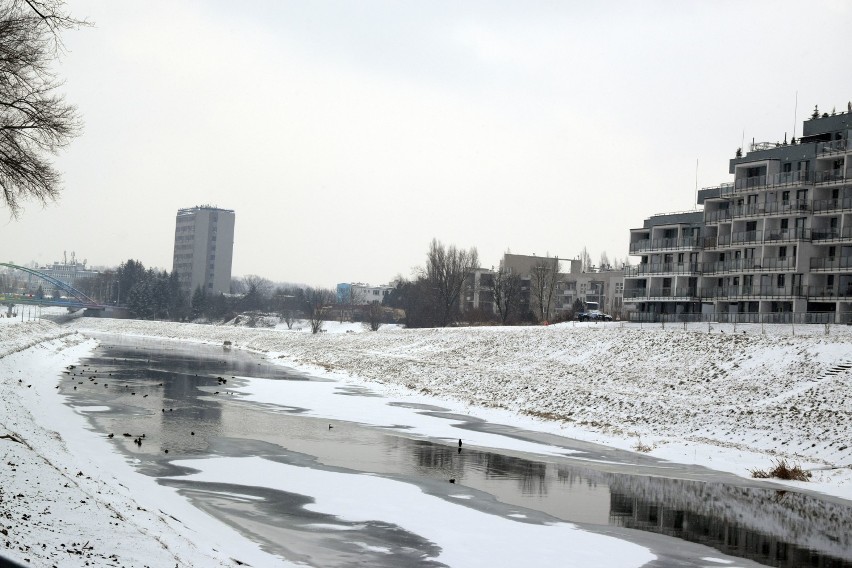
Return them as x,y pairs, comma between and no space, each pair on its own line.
331,474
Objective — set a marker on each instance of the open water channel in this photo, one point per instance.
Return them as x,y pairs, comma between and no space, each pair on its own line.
182,398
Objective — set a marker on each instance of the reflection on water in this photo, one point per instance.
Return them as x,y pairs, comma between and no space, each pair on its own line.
179,397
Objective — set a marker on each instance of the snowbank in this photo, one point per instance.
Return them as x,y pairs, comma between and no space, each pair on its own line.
66,502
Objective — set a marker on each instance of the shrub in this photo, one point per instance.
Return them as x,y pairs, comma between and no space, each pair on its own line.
782,470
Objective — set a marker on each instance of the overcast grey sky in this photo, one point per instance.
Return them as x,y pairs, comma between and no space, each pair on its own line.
346,135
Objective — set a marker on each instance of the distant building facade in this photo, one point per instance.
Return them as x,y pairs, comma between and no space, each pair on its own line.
359,294
598,288
204,247
71,272
773,245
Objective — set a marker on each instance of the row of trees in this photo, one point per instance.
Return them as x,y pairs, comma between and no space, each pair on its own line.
152,294
432,298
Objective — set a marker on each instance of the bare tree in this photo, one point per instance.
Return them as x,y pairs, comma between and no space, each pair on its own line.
604,262
585,259
506,291
35,121
543,278
374,314
314,303
447,268
285,305
255,290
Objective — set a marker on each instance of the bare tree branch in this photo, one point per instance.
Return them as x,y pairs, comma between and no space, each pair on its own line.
35,121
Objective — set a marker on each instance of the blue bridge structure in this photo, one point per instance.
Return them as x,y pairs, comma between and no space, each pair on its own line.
72,299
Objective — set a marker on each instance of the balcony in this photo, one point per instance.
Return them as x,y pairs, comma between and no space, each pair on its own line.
632,293
783,264
833,147
770,208
830,176
826,205
830,292
647,245
746,291
787,235
721,241
780,179
717,216
757,237
832,264
672,293
831,235
663,268
746,237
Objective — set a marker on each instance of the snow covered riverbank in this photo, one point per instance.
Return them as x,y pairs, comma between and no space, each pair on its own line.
64,501
715,399
732,401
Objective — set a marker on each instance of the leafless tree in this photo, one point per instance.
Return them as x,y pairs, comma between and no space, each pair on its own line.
35,121
604,262
543,278
255,290
506,291
315,300
585,259
447,268
374,314
285,305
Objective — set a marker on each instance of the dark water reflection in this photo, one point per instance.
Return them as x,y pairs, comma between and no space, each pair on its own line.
179,396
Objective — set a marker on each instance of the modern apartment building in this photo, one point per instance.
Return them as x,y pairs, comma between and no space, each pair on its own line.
773,245
204,247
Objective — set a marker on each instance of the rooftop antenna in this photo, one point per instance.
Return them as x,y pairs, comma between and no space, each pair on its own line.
795,114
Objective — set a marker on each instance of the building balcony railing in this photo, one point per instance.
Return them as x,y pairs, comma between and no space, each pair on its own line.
839,204
630,293
741,292
784,264
743,317
663,268
771,208
833,147
773,180
720,241
686,293
757,237
831,234
831,176
717,216
832,264
830,292
684,243
746,291
786,235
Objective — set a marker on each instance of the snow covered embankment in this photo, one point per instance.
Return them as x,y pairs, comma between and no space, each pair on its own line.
67,501
17,336
772,394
